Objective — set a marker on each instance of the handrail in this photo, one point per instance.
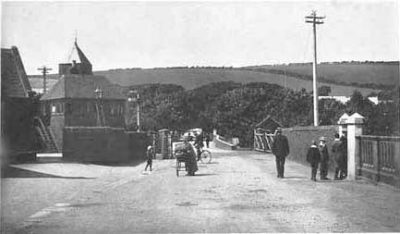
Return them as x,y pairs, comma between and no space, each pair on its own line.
380,138
53,139
44,128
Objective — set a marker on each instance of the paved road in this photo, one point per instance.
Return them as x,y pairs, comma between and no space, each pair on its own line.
238,192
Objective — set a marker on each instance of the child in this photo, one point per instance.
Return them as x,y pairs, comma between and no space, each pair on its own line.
149,155
313,157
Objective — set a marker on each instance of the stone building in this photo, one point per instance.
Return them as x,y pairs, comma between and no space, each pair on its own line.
81,99
18,109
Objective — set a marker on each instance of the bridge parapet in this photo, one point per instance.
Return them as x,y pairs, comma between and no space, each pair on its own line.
222,143
378,158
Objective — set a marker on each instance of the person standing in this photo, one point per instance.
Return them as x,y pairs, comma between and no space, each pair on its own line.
208,140
149,155
337,154
190,163
280,148
343,148
198,142
323,149
313,157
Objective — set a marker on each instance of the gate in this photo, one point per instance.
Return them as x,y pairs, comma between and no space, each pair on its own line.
263,140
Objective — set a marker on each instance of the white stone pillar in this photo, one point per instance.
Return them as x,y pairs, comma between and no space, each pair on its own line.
354,128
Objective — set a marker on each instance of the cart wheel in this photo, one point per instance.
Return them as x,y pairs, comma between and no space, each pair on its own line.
205,156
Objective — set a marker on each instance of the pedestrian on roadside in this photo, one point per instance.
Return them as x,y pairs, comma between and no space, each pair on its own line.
190,155
208,140
337,154
323,149
280,148
149,155
343,148
313,157
199,144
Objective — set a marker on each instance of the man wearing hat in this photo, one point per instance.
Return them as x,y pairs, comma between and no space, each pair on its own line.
280,148
323,149
149,154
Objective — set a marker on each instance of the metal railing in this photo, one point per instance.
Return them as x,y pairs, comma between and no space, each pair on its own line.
379,158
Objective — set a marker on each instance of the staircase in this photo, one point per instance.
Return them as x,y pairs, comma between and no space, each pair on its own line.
101,120
46,136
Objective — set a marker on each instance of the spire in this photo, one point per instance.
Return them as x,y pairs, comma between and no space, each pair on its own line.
76,36
83,67
82,56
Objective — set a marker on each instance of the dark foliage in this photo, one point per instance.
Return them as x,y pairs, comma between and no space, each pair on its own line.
234,109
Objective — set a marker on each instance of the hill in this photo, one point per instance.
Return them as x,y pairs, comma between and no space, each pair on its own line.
343,78
194,77
378,74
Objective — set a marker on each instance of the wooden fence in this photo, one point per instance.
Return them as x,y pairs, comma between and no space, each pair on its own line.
263,141
378,158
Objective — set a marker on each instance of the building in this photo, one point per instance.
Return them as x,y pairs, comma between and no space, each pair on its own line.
344,99
81,99
18,109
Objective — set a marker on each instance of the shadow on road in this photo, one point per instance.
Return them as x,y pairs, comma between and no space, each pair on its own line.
112,164
213,162
205,174
14,172
295,177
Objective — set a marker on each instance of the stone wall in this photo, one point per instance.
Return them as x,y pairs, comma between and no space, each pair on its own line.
103,145
300,140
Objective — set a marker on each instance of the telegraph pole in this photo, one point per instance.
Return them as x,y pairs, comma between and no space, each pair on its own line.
44,70
314,19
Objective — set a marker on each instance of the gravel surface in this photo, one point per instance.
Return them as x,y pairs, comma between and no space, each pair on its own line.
237,192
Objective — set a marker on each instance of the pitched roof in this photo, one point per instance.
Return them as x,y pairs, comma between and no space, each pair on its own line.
269,122
83,86
14,81
81,55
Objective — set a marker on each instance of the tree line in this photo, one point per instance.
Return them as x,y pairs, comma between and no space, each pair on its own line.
234,109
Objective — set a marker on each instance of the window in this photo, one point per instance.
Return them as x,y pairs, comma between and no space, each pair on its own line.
121,109
60,107
57,108
68,108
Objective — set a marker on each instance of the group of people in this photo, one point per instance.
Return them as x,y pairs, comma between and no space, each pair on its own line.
317,155
187,149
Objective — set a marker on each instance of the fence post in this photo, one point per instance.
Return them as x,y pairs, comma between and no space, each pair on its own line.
354,128
377,159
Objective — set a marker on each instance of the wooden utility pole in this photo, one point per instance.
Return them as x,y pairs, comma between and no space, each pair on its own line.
314,19
44,70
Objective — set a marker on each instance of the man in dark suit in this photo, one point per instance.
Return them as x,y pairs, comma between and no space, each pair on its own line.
198,143
280,148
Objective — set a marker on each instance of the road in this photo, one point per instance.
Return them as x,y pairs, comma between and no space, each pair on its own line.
237,192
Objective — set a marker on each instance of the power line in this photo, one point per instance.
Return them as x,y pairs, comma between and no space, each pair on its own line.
44,70
314,20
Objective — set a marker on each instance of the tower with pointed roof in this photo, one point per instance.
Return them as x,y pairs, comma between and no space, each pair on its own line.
74,101
84,67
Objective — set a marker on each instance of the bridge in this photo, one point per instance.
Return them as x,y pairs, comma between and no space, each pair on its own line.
237,192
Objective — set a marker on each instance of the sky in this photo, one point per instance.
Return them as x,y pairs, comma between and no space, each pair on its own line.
165,34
